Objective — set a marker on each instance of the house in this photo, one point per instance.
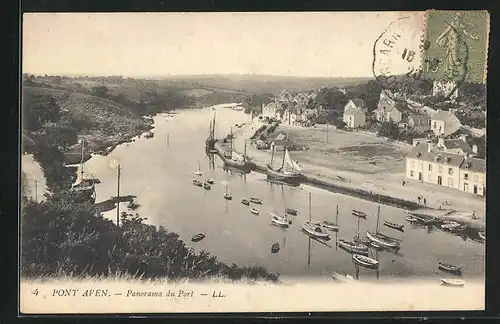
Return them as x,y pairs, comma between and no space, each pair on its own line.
301,99
457,146
269,110
473,176
313,95
444,123
354,115
444,88
425,163
285,96
421,123
387,109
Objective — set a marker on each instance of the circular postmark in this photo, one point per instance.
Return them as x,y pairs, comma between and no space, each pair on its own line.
401,60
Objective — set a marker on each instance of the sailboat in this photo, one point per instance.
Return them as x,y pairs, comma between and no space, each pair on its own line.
355,246
314,229
380,239
83,187
211,140
198,172
289,172
235,160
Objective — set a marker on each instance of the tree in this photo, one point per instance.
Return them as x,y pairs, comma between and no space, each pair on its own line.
100,91
38,110
389,130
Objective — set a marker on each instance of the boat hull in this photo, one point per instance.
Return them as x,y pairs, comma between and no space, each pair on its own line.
293,179
364,261
352,248
381,241
313,233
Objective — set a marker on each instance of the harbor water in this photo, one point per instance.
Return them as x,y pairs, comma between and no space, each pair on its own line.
159,171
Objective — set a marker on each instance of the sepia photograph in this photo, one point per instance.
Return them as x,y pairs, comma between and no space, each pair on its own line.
253,162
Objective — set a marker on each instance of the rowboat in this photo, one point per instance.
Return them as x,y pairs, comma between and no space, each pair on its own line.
206,186
228,196
210,181
315,230
275,247
279,220
245,202
381,240
411,219
254,211
365,261
458,229
448,225
353,247
291,211
341,277
197,173
376,246
449,268
394,225
452,282
482,235
358,213
330,226
198,237
197,183
256,200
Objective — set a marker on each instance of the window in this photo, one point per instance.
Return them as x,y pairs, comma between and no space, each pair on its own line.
434,125
411,173
475,178
466,176
429,177
440,168
450,171
430,167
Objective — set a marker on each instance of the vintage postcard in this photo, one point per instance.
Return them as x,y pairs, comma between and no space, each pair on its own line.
253,162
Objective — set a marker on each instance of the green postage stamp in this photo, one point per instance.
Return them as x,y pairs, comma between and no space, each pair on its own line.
455,46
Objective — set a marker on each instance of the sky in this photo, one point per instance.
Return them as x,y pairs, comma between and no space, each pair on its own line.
315,44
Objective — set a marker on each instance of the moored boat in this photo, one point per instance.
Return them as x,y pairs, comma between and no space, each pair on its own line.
198,237
411,219
228,196
365,261
315,230
207,186
197,183
330,226
289,172
394,225
210,181
257,201
447,225
353,247
482,235
452,282
198,172
279,220
291,211
382,240
254,211
449,268
275,247
245,202
341,277
358,213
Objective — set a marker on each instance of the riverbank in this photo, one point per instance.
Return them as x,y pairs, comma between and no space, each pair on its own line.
375,175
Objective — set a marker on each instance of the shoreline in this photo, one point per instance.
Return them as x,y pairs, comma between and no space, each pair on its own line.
325,183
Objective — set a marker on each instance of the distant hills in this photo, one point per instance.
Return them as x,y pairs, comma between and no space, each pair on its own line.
263,83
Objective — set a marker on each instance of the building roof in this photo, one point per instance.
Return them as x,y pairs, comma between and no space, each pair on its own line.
420,118
350,110
421,152
360,103
474,165
442,115
280,137
457,143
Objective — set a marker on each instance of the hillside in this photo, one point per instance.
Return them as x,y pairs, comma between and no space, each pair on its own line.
102,122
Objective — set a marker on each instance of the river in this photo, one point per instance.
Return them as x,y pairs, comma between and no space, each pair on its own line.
159,172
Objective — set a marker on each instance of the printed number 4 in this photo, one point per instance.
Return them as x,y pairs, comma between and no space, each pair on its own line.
35,292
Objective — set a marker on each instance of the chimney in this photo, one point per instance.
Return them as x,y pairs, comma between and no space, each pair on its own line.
474,149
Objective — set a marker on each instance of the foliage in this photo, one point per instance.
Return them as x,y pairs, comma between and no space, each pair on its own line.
100,91
368,91
59,135
389,130
39,109
340,124
481,146
60,237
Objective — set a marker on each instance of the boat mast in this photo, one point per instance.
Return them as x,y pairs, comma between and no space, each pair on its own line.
199,167
231,140
284,153
378,217
309,206
245,153
358,230
81,161
272,153
337,216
